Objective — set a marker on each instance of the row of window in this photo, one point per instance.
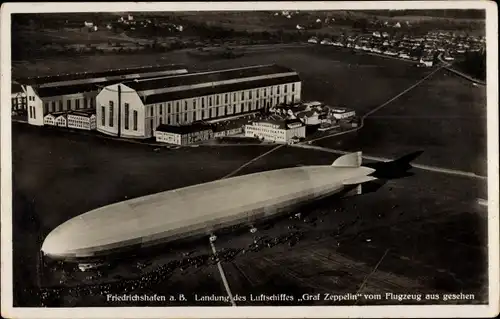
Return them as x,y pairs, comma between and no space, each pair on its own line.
210,101
112,117
265,130
79,125
266,136
227,109
32,112
78,121
18,102
212,112
51,107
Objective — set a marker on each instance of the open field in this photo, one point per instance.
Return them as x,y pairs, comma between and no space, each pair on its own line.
445,116
71,36
58,176
406,217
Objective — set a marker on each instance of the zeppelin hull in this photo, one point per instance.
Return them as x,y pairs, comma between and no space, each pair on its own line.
193,211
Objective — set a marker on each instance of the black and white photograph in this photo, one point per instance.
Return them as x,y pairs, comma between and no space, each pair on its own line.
294,159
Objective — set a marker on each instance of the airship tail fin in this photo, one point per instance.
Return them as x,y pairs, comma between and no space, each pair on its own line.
348,160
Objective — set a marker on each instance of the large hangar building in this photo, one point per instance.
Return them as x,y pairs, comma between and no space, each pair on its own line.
71,92
135,108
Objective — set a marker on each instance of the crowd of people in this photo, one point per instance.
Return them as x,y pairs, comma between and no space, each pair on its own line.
54,296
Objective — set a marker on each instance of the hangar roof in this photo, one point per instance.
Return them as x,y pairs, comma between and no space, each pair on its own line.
225,88
207,77
72,89
91,75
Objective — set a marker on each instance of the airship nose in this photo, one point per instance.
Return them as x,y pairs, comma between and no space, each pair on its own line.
53,246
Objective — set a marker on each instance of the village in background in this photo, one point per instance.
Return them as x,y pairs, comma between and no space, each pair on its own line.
71,100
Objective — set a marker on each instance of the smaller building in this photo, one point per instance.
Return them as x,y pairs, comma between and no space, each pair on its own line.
228,128
18,97
425,63
49,119
342,113
60,119
279,131
313,40
309,117
310,113
183,134
82,119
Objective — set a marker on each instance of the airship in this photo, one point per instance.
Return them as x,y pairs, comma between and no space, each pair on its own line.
203,209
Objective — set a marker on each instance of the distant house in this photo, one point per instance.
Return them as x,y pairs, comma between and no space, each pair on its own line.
326,42
299,27
376,34
313,40
397,25
425,63
88,24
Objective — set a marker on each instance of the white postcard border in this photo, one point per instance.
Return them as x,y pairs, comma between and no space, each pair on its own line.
251,312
